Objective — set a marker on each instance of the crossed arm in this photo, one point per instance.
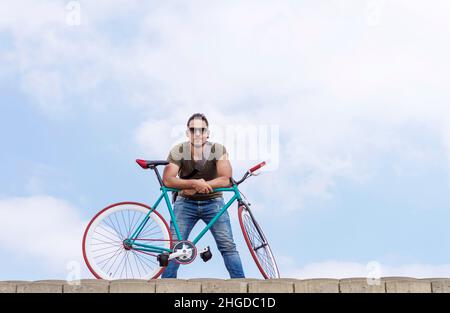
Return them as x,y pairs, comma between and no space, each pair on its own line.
192,186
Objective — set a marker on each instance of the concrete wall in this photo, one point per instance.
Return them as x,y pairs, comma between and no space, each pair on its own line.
207,285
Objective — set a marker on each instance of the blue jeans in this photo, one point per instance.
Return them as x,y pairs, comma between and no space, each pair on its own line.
187,212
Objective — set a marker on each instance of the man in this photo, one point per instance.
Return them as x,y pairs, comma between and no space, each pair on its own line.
196,200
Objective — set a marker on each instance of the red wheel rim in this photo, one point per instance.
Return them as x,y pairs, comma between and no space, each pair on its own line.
107,208
250,247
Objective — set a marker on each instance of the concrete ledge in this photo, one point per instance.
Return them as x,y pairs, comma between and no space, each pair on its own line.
317,286
271,286
408,285
211,285
173,285
132,286
42,286
208,285
440,285
87,286
361,285
11,286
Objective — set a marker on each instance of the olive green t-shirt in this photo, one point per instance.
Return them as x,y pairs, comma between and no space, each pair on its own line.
181,155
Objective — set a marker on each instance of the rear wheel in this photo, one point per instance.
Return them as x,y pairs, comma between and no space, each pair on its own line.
108,256
257,244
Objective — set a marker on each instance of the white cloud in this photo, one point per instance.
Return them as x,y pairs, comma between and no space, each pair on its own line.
42,228
46,89
155,138
29,18
346,93
340,87
371,84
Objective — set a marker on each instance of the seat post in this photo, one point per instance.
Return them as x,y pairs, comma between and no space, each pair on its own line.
157,174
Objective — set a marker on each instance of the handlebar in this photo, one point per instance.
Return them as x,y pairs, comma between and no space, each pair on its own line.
257,167
250,172
145,164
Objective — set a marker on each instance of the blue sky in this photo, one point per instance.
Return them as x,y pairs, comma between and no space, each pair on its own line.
358,91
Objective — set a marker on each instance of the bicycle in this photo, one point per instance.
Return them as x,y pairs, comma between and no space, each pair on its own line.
132,240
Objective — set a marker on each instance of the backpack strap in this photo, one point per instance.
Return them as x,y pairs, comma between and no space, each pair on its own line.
199,165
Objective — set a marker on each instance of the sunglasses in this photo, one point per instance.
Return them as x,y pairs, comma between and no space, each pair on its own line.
201,129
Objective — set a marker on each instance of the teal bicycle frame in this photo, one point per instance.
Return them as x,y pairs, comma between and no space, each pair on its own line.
164,190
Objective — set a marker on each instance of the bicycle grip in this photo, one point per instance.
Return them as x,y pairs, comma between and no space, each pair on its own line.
256,167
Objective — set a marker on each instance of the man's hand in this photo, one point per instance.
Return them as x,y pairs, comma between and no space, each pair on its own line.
189,192
189,186
201,186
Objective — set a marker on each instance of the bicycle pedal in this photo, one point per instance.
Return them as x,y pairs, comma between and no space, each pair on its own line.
206,254
163,259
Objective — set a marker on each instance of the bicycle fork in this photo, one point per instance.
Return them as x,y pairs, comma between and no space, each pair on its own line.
258,228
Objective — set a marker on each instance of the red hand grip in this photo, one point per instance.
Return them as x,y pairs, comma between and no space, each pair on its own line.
254,168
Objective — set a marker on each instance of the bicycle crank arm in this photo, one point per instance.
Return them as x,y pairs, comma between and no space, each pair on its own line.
179,254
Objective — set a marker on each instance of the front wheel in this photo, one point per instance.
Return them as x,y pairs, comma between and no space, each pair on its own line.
104,251
257,244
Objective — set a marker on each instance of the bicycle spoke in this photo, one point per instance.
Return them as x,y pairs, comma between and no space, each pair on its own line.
125,265
146,262
113,226
258,245
118,251
137,265
123,218
140,260
118,225
136,224
132,224
151,234
103,227
100,249
102,242
115,260
144,232
143,255
104,249
131,266
127,229
119,231
118,266
111,252
106,236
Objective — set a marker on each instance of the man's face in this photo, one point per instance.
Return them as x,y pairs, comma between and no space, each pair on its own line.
197,132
